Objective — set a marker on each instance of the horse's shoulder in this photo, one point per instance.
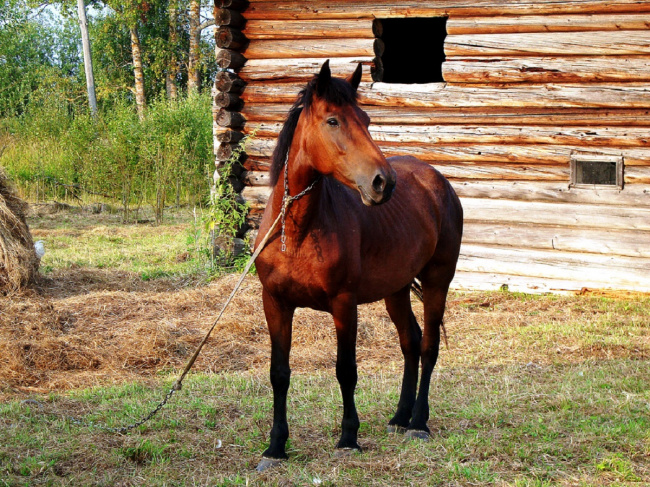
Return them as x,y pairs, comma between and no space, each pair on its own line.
409,167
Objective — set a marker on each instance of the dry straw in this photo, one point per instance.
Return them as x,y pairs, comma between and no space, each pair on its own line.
18,260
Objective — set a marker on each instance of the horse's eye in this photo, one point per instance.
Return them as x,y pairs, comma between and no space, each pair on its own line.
332,122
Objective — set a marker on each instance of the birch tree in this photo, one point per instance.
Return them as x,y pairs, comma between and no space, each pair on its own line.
88,62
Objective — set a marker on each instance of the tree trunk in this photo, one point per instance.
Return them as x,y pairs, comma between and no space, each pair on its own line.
172,68
88,62
137,71
193,81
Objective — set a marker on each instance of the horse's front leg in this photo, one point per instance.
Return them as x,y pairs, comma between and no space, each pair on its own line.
278,318
344,311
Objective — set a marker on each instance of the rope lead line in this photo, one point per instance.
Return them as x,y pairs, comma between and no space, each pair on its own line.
178,384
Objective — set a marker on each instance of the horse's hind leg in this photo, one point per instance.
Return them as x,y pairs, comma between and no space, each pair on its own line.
399,309
435,288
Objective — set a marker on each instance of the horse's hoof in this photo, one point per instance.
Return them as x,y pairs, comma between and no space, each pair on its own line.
267,463
346,452
395,428
418,435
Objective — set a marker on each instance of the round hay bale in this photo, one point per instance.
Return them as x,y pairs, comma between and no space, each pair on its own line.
18,260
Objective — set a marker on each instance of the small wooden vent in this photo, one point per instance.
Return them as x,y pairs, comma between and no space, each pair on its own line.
596,171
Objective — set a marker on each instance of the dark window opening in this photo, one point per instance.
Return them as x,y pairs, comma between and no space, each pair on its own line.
588,171
414,50
596,172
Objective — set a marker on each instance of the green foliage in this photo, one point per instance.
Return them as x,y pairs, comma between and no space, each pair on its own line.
227,212
225,215
39,59
40,52
52,154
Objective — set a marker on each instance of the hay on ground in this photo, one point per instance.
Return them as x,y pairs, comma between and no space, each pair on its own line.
18,260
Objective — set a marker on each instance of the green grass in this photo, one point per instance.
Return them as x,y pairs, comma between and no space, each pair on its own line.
78,240
513,425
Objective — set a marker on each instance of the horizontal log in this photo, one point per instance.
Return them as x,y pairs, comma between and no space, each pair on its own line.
593,241
607,43
313,29
546,23
479,281
484,116
230,38
546,69
229,136
304,69
227,17
227,59
256,196
259,165
225,151
519,171
637,175
634,195
324,48
609,217
238,5
256,178
514,154
353,9
492,134
523,191
229,119
515,95
621,272
228,82
229,101
507,172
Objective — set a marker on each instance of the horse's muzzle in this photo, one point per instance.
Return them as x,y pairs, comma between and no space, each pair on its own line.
380,190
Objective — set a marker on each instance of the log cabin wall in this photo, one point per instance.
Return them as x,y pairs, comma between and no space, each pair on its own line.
528,85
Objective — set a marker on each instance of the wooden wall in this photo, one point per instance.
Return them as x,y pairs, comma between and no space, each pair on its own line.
528,84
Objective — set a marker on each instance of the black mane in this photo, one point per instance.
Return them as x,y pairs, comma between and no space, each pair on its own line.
337,92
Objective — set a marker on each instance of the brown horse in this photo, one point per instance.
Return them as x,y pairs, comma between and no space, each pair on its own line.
360,228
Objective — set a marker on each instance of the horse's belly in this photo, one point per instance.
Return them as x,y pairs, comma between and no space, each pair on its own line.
386,279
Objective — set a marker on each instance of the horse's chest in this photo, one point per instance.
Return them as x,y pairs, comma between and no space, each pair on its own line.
307,275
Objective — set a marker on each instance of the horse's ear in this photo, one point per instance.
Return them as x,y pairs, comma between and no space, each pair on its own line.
324,77
355,79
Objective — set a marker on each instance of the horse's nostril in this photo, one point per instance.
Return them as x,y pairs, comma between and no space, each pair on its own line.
379,183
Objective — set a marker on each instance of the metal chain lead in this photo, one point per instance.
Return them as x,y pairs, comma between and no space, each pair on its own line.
125,429
287,200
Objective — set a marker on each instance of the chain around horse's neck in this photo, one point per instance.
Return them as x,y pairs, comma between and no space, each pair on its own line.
287,199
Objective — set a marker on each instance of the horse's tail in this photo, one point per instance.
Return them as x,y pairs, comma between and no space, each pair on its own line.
416,289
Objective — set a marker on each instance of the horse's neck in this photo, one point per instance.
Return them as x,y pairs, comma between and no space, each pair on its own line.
304,209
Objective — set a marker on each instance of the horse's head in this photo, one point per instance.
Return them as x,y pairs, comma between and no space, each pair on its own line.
335,135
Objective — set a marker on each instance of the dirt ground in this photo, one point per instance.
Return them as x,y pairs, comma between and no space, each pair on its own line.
86,327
